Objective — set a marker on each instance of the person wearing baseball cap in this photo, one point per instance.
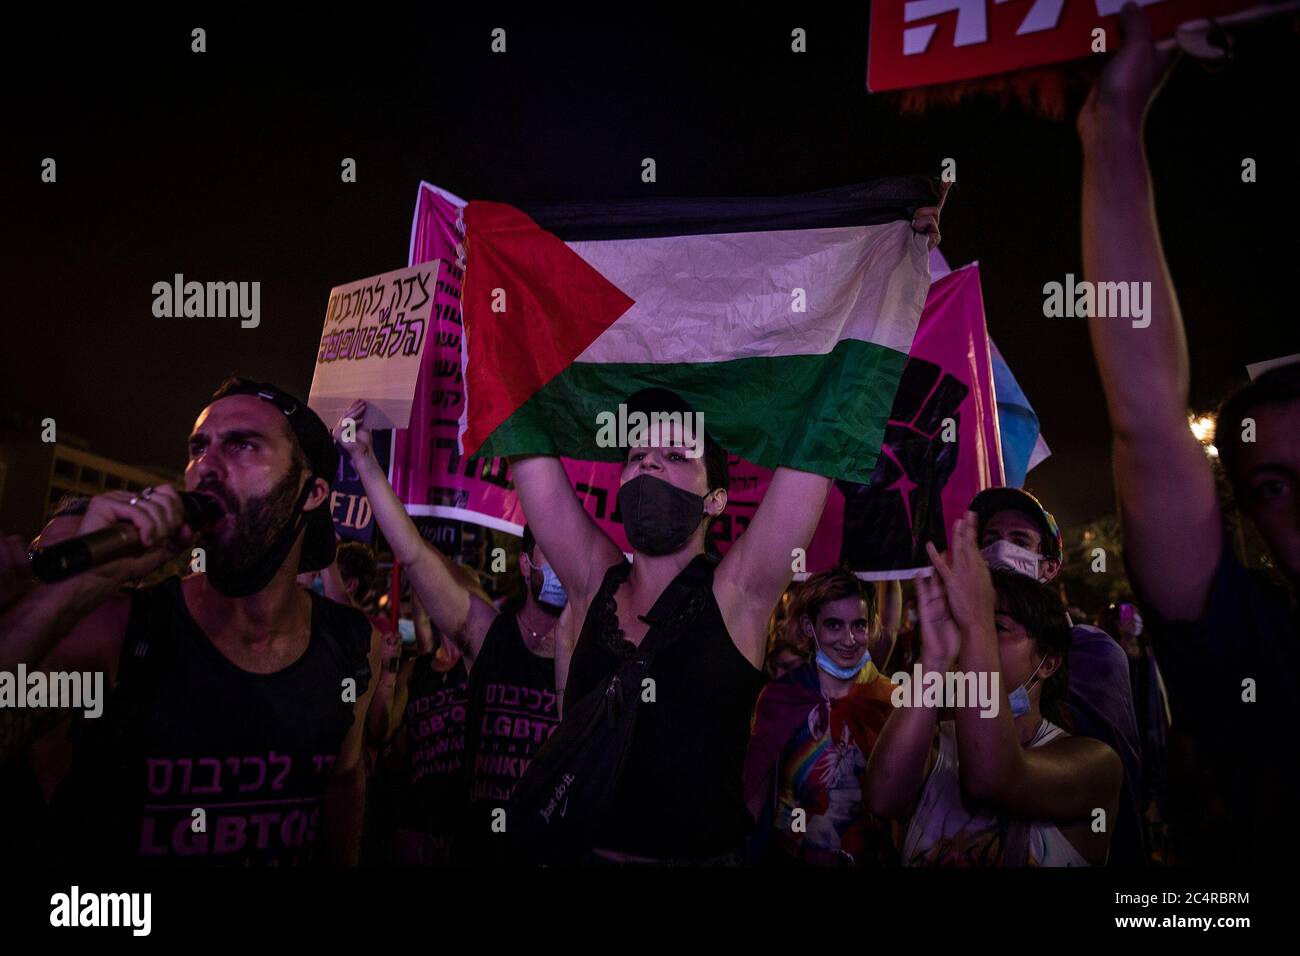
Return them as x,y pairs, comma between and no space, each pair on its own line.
233,731
1017,533
314,453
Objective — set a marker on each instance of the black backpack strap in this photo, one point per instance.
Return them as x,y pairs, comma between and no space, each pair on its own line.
149,633
571,781
148,645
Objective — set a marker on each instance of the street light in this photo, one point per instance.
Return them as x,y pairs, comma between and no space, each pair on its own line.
1202,427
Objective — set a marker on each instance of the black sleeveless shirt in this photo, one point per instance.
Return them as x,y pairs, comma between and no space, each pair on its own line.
681,794
433,798
185,729
512,711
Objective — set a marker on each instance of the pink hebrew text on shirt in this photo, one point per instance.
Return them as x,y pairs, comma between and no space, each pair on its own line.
436,727
516,721
259,808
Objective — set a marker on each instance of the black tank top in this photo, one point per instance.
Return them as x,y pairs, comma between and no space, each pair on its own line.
186,729
513,710
433,797
681,795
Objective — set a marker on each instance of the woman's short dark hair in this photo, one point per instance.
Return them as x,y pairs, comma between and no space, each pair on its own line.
824,587
1037,608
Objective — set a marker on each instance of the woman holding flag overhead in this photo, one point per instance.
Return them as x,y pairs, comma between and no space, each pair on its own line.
647,766
699,625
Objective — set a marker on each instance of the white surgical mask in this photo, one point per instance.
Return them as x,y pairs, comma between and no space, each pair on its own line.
1005,554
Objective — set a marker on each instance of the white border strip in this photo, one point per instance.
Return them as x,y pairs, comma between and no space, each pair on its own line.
415,216
905,574
464,514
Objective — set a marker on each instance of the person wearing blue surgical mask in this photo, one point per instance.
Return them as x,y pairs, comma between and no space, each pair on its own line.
1007,785
543,582
812,732
510,653
1028,664
1016,533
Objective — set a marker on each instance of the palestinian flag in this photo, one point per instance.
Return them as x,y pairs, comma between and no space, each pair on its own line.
786,322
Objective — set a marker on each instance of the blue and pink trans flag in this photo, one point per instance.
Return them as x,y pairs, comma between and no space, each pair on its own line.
1023,446
941,447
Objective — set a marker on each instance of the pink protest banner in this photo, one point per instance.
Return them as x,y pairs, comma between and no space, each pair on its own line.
437,232
941,445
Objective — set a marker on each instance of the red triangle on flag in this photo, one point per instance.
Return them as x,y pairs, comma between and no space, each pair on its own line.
550,305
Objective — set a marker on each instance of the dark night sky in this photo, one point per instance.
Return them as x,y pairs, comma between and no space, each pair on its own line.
225,166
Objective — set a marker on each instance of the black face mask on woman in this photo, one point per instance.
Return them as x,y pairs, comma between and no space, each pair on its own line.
658,516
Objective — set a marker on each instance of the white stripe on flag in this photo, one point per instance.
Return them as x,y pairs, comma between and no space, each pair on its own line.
1039,454
714,298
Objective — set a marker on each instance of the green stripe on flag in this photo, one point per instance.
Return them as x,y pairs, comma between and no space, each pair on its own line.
820,413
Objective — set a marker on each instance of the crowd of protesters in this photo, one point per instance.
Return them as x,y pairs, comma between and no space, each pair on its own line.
682,707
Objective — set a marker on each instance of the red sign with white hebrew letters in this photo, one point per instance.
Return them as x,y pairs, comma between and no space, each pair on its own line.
922,42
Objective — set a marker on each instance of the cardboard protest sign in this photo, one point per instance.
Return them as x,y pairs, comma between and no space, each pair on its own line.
373,343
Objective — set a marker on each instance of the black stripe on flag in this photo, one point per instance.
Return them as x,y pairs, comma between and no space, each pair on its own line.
862,204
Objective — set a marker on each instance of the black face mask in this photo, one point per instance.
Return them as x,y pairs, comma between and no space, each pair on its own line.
658,516
252,577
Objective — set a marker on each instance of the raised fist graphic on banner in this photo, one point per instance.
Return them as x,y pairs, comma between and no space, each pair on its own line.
888,520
